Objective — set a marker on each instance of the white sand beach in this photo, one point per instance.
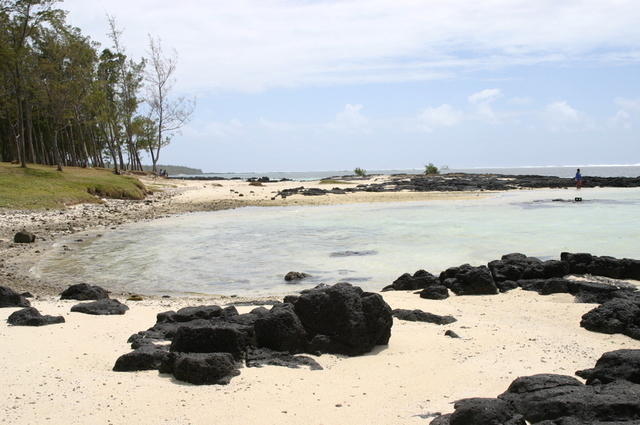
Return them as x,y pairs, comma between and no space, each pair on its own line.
61,374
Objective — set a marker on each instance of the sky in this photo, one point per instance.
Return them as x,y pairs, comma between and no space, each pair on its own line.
301,85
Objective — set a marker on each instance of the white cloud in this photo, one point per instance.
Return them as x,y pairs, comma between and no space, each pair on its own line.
628,109
350,119
561,111
485,96
441,116
482,101
257,44
621,119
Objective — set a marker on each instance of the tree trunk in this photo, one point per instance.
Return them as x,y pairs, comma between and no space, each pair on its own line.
55,149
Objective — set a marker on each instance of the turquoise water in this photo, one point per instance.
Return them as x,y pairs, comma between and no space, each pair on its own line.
247,251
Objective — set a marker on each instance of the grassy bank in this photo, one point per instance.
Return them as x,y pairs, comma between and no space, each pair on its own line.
39,186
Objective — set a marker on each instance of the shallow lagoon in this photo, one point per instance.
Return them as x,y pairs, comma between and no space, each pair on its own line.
247,251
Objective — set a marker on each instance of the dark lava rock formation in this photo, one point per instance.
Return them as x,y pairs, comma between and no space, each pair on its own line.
84,292
104,307
10,298
460,182
422,316
295,276
611,396
24,237
31,317
339,319
420,280
201,368
619,310
469,280
619,315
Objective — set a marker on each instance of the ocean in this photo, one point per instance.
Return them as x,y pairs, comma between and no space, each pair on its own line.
559,171
248,251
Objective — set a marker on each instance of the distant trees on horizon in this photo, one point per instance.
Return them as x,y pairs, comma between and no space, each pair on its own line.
66,101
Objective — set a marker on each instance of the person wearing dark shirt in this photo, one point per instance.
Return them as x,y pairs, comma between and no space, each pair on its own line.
578,179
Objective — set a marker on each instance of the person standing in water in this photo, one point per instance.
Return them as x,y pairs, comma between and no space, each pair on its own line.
578,179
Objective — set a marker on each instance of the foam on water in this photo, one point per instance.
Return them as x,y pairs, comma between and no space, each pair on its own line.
247,251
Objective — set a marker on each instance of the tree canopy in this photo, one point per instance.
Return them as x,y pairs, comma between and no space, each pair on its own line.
66,100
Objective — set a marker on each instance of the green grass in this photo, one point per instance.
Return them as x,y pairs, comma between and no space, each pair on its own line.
39,186
334,181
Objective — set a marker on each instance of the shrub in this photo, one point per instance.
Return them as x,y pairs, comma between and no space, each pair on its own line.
360,172
431,169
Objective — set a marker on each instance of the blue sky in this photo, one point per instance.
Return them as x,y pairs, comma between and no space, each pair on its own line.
388,84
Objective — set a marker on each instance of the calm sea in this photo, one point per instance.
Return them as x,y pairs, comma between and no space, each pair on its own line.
248,251
563,171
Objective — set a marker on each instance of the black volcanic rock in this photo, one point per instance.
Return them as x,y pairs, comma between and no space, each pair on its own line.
616,401
24,237
420,280
619,315
352,321
259,357
489,411
517,266
584,291
507,285
281,330
295,276
223,337
422,316
104,307
31,317
201,368
469,280
148,357
435,292
10,298
583,263
614,365
84,292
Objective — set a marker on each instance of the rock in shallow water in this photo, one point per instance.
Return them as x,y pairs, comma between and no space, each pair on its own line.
84,292
31,317
10,298
104,307
295,276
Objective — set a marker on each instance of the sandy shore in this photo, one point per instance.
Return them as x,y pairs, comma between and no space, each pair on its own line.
66,376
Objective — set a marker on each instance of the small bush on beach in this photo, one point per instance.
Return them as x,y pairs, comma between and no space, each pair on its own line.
360,172
431,169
